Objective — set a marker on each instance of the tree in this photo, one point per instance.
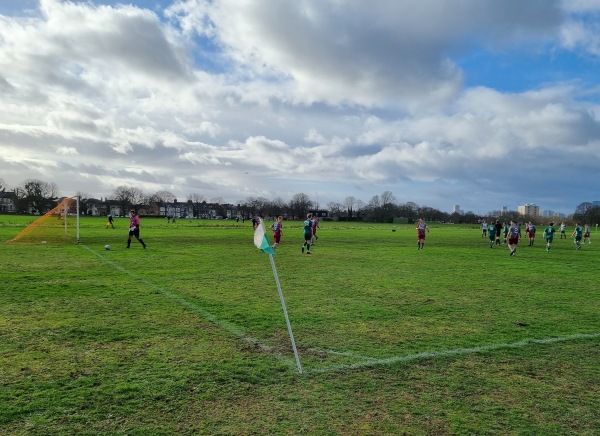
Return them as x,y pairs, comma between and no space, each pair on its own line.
388,206
196,200
276,207
84,198
587,213
374,208
2,185
582,208
300,204
349,202
160,198
360,206
387,198
432,214
334,208
165,196
409,210
37,194
258,205
128,197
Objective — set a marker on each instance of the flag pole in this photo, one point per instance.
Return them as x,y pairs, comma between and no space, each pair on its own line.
287,320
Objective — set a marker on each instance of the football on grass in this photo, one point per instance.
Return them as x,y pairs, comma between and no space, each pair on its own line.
107,247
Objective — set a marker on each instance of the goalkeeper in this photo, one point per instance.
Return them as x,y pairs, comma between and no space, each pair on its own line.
134,228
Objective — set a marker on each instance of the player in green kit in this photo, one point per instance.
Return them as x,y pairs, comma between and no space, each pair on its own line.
578,233
549,235
307,225
492,235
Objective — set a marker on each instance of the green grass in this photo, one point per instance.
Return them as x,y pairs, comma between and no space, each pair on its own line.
189,336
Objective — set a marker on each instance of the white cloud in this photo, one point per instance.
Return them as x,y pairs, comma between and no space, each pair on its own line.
66,151
263,97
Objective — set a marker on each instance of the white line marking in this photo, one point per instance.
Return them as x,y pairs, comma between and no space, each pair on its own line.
207,315
455,352
366,361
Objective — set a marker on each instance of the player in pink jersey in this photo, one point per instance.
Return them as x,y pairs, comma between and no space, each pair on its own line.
134,228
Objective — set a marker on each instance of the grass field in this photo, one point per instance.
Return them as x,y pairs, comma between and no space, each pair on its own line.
189,337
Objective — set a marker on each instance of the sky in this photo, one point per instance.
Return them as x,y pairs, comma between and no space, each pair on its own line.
483,104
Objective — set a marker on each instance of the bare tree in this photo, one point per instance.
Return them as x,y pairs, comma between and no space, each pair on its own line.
300,205
387,198
582,208
349,202
360,206
38,194
375,209
587,213
334,208
196,200
128,197
374,202
139,198
409,210
276,207
165,196
158,199
84,198
257,205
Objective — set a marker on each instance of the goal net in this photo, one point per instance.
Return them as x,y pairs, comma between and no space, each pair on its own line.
58,226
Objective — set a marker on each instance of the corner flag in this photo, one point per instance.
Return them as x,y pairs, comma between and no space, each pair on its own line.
260,239
261,242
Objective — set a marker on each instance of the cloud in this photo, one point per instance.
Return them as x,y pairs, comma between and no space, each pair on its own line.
272,98
339,52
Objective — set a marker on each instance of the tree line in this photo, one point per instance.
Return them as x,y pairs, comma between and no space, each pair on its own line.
384,208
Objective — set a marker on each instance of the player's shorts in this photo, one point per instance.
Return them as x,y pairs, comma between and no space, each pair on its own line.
308,236
578,238
532,234
134,232
421,235
549,239
513,240
586,235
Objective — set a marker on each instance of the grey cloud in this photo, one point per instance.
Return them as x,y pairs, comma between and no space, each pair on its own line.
374,53
352,98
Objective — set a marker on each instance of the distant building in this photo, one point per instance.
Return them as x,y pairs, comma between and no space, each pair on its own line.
551,213
529,209
456,209
504,209
324,214
7,201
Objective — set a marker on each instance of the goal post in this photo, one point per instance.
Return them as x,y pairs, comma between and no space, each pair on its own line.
60,225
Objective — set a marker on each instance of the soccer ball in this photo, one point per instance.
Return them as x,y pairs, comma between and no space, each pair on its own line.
107,247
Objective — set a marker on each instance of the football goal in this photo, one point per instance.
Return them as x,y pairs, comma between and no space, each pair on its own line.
58,226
